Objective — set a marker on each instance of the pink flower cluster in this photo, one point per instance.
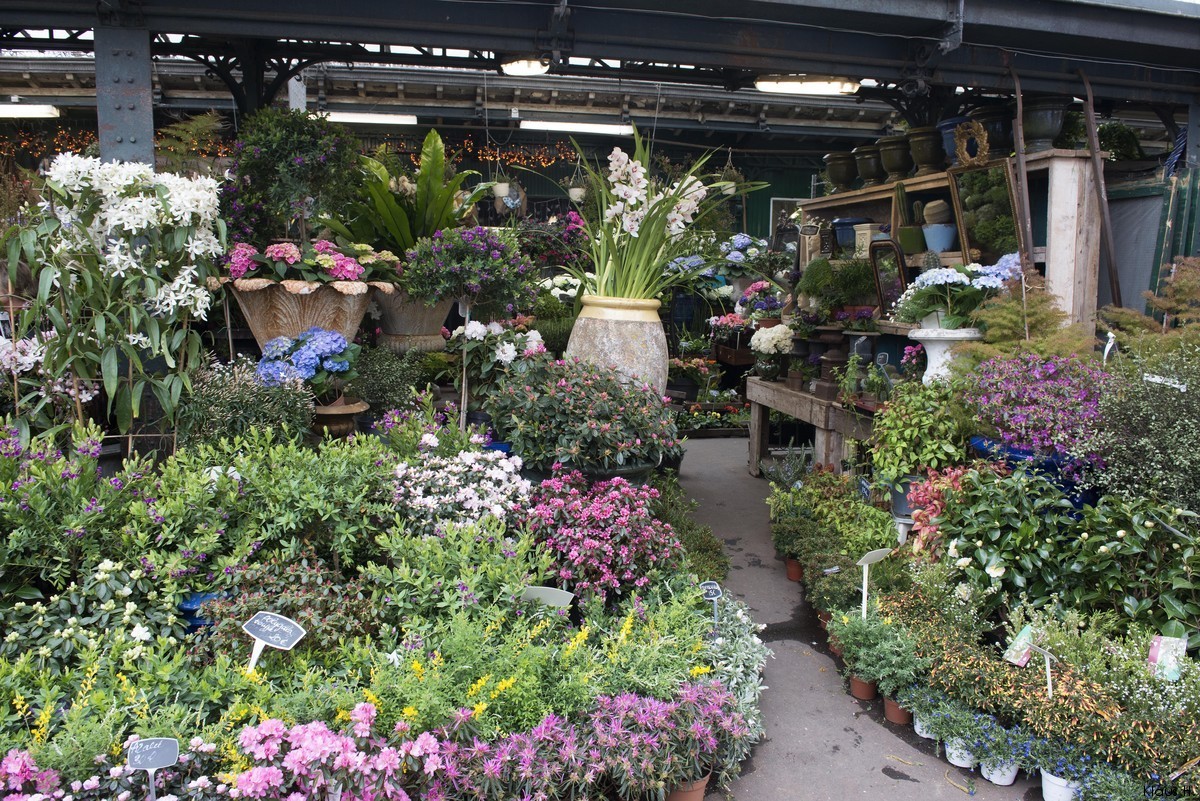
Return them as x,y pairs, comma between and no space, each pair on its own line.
344,268
283,251
241,259
309,760
603,538
20,778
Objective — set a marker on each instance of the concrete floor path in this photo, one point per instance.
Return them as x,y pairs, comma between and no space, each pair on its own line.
820,743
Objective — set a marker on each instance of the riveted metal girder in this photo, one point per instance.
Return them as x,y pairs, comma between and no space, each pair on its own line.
124,94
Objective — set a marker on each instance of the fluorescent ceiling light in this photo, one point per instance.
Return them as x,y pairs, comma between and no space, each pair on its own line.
372,118
525,67
804,85
28,111
578,127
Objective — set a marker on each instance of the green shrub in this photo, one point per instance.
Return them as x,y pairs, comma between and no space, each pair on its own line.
228,400
556,332
705,554
385,380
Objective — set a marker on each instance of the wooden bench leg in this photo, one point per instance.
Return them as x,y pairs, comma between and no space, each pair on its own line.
829,447
759,429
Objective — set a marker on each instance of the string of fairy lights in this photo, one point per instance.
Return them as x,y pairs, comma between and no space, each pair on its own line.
35,144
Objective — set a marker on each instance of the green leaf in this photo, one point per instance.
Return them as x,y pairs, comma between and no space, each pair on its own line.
1174,608
108,369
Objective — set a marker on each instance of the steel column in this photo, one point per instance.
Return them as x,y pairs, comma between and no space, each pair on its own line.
124,95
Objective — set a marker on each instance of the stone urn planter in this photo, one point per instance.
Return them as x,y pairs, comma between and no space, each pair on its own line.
870,169
938,343
997,121
925,144
625,333
841,169
1042,119
337,419
895,156
288,308
408,324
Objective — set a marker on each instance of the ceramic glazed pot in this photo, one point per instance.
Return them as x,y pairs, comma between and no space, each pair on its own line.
337,420
870,168
768,368
841,169
911,239
862,690
925,144
940,237
1042,120
288,308
625,333
895,156
901,506
946,129
409,324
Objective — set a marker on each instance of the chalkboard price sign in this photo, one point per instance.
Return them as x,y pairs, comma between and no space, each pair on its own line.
277,631
151,754
712,590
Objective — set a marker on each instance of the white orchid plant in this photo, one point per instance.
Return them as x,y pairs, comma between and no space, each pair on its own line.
644,224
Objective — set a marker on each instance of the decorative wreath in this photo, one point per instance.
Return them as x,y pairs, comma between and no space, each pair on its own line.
964,132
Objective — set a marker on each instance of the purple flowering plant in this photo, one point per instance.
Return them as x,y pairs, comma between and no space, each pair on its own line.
322,358
1049,406
472,263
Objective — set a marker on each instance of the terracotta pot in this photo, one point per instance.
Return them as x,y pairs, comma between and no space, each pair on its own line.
337,419
795,570
288,308
768,322
870,169
925,144
862,690
895,156
841,169
894,713
409,324
624,333
690,792
823,619
835,647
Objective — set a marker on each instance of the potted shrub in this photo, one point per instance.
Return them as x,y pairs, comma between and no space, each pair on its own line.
915,431
959,727
228,400
466,264
392,209
834,582
794,538
583,416
896,666
925,704
386,380
325,360
860,640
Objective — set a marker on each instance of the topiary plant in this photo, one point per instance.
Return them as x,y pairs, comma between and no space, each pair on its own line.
917,430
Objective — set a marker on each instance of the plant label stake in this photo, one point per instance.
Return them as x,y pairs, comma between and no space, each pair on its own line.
464,308
712,592
1049,656
277,631
877,555
151,755
549,596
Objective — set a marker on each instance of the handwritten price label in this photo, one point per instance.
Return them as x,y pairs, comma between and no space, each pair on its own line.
151,754
277,631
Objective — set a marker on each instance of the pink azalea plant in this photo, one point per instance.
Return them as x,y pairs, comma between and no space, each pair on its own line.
321,261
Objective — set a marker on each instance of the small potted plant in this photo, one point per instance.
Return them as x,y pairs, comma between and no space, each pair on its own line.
896,666
794,538
467,264
909,235
913,433
760,303
925,703
325,360
860,640
576,186
959,727
834,582
1064,767
501,184
1003,752
771,346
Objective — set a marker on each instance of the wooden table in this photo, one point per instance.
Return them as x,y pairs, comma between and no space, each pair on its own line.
833,423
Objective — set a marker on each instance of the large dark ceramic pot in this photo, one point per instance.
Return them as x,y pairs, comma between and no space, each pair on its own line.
870,169
841,170
926,147
895,157
1043,121
946,129
998,122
